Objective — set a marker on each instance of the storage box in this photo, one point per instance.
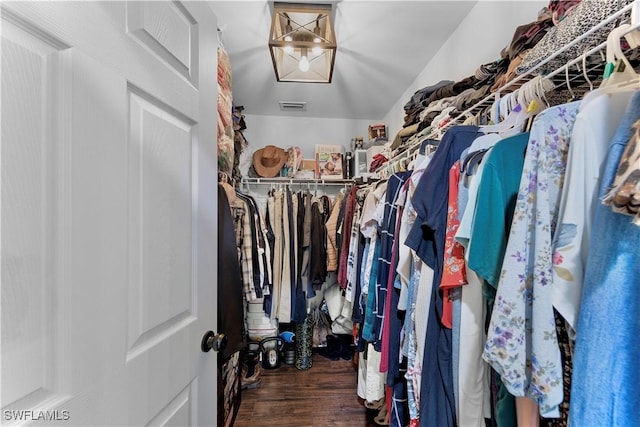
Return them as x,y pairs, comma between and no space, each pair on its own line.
377,131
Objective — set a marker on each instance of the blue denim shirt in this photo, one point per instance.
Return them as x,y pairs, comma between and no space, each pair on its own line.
606,373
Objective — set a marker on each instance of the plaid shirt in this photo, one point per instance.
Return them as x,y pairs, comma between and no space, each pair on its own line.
244,242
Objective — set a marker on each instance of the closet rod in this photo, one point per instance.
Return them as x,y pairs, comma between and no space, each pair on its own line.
488,100
291,181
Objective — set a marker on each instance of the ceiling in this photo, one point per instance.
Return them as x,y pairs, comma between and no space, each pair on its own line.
382,47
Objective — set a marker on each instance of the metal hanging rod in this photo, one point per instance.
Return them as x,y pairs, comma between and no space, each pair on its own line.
291,181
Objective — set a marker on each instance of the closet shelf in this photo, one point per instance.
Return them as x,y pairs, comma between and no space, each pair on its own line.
514,85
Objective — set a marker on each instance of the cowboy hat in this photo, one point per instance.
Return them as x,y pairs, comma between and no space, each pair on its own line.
269,160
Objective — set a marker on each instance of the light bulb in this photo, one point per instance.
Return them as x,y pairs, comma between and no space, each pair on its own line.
317,40
304,65
288,38
316,50
288,49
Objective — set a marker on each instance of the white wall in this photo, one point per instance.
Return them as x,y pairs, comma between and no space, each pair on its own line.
487,29
304,132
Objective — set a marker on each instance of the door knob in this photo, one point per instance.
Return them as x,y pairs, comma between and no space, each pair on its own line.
213,341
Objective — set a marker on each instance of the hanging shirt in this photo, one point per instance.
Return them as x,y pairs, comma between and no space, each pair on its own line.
350,208
230,301
387,231
606,380
495,205
522,344
426,238
595,126
332,225
453,273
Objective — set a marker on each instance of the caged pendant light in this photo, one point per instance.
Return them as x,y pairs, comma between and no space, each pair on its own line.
302,42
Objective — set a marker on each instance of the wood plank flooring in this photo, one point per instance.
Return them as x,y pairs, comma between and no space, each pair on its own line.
322,396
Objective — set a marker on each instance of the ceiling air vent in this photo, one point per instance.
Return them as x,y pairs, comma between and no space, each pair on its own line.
293,106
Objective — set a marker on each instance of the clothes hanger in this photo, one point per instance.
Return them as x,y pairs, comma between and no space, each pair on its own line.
514,120
619,75
584,71
566,75
220,32
618,66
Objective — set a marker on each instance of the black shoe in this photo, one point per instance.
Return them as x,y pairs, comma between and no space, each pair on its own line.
346,347
332,351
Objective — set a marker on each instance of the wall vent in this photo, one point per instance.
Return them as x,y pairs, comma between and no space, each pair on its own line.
292,106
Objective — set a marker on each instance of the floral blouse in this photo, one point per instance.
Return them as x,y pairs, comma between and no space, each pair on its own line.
522,345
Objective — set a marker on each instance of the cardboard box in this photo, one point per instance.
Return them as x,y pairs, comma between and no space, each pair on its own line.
377,131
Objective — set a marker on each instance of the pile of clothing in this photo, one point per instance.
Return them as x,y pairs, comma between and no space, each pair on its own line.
431,108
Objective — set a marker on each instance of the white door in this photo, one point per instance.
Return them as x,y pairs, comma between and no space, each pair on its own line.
109,213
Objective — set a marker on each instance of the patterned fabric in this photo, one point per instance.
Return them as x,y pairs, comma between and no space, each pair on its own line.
566,350
413,384
352,258
581,19
226,144
453,273
561,8
624,196
304,341
453,269
246,256
522,344
387,230
391,309
237,213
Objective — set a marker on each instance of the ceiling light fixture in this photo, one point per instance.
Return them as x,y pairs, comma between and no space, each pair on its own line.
302,42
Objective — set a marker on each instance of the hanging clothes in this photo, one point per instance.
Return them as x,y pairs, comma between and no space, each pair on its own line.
594,129
606,358
524,289
426,238
230,299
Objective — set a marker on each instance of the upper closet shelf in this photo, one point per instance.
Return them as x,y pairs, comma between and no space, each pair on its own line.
527,76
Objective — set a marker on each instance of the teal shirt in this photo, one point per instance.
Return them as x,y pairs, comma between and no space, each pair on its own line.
496,203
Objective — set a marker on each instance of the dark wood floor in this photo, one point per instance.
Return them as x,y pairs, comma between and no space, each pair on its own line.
322,396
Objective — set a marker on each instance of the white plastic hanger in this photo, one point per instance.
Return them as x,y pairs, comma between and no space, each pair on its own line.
623,77
622,73
516,116
522,104
584,71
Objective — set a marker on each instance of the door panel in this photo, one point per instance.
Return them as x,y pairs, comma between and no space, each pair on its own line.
161,289
169,31
30,291
108,212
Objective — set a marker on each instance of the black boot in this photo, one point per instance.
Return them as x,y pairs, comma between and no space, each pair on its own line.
332,350
346,346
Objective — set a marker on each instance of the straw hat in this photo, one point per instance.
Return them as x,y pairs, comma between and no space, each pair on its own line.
269,160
